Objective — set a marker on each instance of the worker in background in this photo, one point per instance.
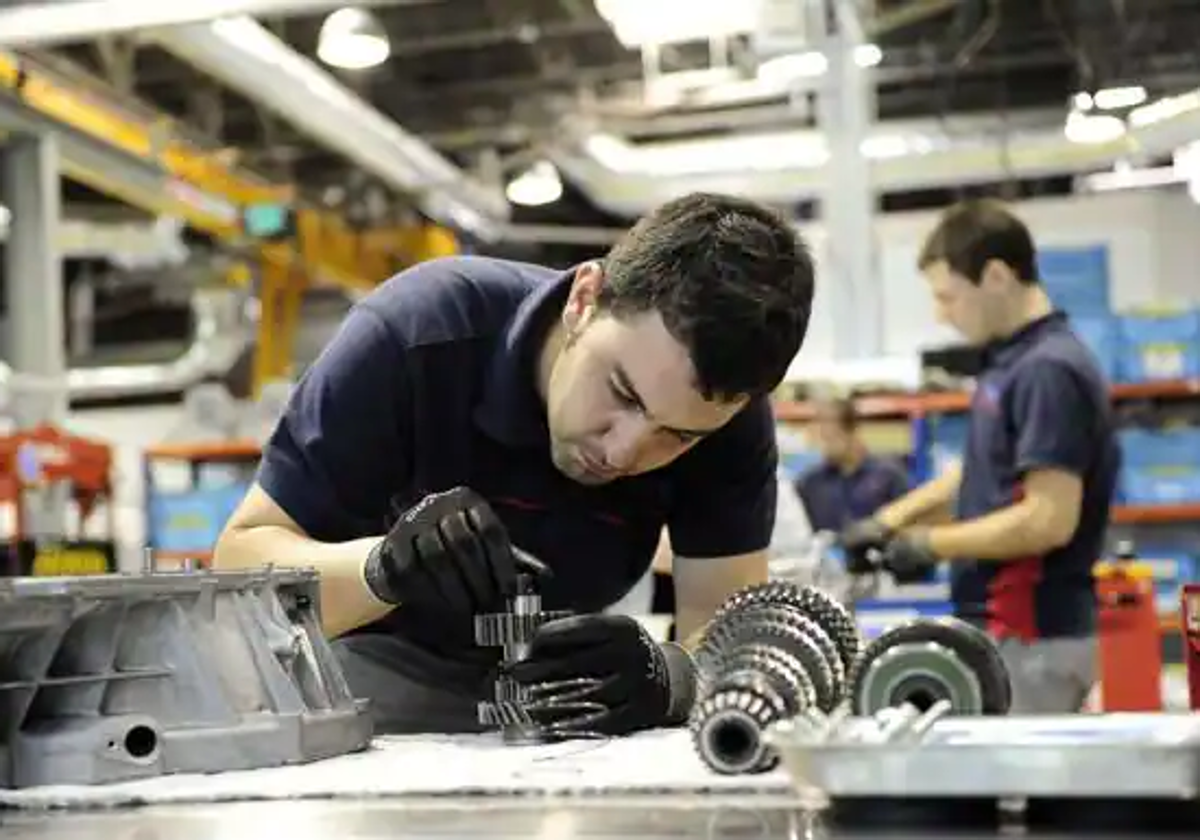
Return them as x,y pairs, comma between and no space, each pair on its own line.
470,405
849,483
1033,493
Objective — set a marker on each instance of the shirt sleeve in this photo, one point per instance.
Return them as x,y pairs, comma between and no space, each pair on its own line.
1053,416
338,449
725,491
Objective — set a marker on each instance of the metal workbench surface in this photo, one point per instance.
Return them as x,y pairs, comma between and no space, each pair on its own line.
647,818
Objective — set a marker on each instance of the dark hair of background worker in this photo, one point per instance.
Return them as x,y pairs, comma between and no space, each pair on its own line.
472,404
849,483
1039,468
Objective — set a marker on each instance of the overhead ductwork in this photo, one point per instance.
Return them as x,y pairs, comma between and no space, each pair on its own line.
786,167
249,59
221,336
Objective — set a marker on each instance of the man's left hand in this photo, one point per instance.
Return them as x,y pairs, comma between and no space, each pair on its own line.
604,674
909,556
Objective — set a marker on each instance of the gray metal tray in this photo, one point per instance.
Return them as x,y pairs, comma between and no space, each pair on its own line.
902,753
120,677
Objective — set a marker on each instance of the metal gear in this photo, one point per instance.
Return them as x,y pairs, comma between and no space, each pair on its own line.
820,606
513,632
771,652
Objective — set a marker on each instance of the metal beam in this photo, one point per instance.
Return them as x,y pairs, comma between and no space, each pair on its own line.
39,24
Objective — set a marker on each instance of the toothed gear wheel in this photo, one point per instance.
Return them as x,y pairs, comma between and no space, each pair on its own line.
835,619
510,691
503,714
499,629
783,672
767,626
727,726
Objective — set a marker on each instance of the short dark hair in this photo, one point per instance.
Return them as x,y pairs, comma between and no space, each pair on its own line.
843,409
971,233
732,280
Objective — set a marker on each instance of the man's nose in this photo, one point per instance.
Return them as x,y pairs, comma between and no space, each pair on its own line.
624,442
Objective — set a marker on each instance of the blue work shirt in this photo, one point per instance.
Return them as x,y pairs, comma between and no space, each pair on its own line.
1041,402
430,384
834,498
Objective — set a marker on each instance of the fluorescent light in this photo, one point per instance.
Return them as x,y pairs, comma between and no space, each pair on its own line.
538,185
639,23
1088,130
1131,179
1117,98
1166,108
352,40
867,55
788,68
1082,101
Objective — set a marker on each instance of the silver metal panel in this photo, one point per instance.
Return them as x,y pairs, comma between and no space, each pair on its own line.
1148,756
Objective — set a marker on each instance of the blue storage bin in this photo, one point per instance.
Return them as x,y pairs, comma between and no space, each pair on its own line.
1158,448
192,520
1160,485
1101,336
1156,347
1077,278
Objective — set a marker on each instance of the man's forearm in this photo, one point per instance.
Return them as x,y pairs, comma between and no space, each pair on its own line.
932,497
1012,533
346,602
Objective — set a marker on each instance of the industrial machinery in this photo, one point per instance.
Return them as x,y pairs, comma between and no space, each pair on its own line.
925,661
512,631
123,677
773,651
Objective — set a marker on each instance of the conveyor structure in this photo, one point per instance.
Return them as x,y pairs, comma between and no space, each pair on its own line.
122,677
142,157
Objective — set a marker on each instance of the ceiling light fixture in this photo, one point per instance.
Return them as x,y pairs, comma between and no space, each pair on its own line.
1088,129
638,23
352,39
1119,98
538,185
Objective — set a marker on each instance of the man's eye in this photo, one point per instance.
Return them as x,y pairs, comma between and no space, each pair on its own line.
622,397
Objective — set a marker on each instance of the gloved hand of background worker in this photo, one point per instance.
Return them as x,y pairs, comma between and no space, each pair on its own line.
860,540
909,557
448,556
604,674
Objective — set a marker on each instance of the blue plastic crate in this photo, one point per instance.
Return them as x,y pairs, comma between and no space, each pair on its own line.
192,520
1077,279
1160,485
1101,336
1156,347
1156,448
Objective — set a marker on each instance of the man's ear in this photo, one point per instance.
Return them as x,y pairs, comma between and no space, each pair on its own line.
581,301
996,275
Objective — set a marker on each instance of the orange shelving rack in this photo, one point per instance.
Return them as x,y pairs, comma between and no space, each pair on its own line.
182,526
44,459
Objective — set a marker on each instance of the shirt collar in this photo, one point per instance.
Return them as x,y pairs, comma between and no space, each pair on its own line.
1006,350
512,410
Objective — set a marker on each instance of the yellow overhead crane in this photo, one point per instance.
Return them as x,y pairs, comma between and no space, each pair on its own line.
210,196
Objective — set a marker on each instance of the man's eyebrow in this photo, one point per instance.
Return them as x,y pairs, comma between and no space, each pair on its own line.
626,385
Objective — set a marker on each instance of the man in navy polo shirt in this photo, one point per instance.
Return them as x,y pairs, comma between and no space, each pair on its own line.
471,407
850,483
1038,472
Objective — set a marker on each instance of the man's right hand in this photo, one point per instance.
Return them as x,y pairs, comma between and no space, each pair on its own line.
860,539
449,555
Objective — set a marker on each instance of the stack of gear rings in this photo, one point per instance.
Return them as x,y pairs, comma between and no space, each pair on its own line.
771,652
513,632
927,660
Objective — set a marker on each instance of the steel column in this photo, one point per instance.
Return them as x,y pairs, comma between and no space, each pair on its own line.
846,111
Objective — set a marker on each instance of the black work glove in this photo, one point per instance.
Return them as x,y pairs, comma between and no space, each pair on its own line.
909,557
447,556
604,675
860,541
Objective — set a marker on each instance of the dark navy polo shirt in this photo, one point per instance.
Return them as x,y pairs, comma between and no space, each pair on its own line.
429,384
834,498
1041,402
